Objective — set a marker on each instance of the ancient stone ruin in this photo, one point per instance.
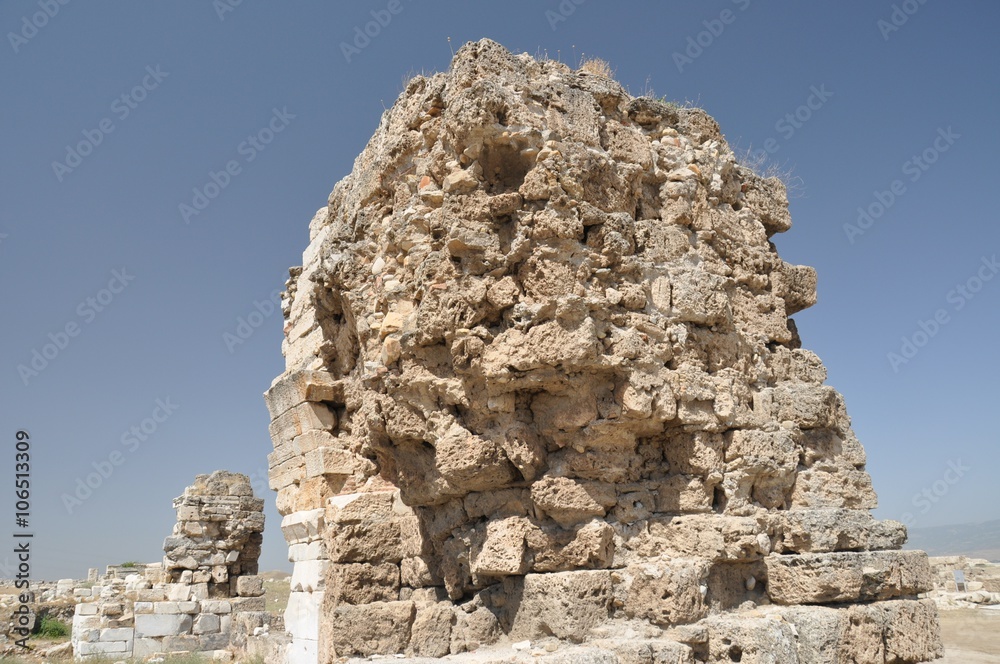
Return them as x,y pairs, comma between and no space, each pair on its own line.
205,591
542,385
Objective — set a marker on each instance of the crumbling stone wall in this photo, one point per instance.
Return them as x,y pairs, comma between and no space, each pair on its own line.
541,379
205,590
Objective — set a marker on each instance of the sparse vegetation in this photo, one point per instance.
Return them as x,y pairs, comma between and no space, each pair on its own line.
130,563
597,67
52,628
758,162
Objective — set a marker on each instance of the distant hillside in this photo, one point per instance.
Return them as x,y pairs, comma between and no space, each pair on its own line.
976,540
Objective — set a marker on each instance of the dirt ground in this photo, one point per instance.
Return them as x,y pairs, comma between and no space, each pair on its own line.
971,636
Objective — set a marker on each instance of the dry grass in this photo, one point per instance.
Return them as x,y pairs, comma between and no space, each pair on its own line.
597,67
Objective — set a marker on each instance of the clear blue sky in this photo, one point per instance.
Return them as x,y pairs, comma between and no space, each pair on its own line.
880,97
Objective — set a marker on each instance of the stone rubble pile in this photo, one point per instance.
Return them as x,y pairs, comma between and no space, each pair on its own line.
981,585
206,591
542,384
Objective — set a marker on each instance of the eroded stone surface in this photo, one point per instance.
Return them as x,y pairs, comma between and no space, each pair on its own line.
541,374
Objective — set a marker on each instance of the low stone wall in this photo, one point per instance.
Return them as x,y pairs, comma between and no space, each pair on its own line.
143,629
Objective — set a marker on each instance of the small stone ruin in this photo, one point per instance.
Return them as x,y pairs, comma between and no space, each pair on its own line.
205,592
542,385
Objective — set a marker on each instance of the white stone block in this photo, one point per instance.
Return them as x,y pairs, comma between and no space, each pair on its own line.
187,607
302,651
308,575
162,625
302,615
89,609
166,607
302,527
142,607
117,634
206,623
143,648
225,623
102,648
86,622
199,591
178,592
216,606
309,551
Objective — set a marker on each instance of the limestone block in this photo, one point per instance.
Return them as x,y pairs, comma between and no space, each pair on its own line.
152,625
475,628
117,634
82,622
332,461
303,417
684,494
206,623
187,607
499,547
712,536
846,576
112,648
566,605
808,406
308,575
303,527
166,607
209,642
569,502
178,592
298,387
379,627
371,542
663,593
249,586
302,615
362,583
824,530
146,647
219,606
302,651
430,634
150,595
309,551
587,546
86,609
181,643
248,604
